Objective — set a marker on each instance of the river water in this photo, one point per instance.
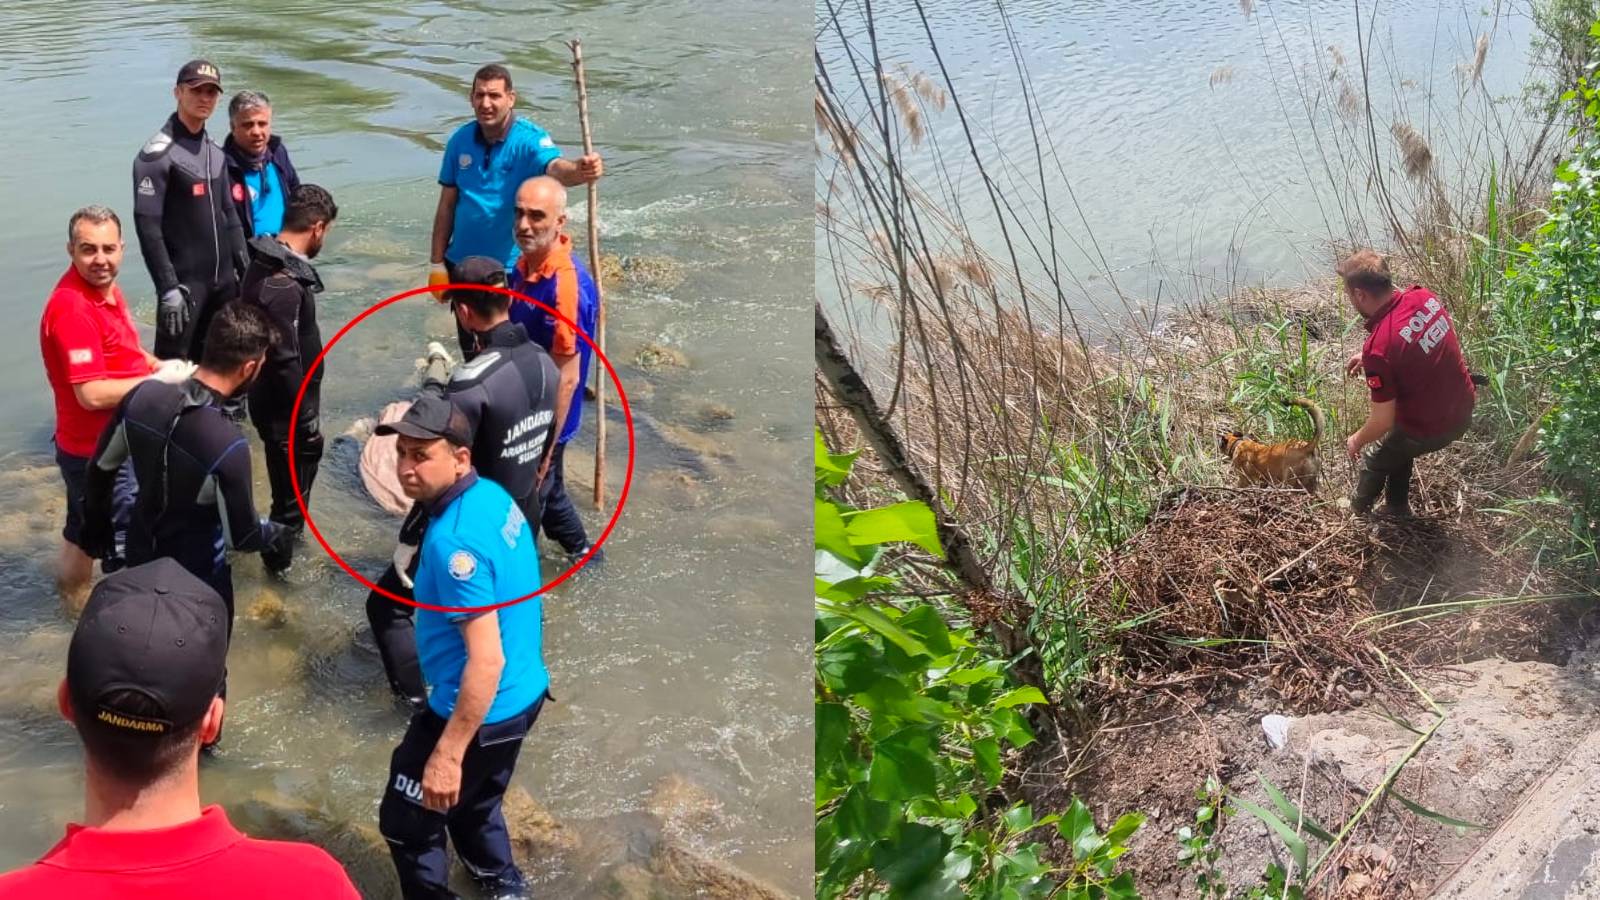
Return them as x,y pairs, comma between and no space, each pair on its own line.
682,667
1180,153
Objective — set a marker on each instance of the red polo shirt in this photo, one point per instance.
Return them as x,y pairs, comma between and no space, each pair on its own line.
1413,358
203,858
85,337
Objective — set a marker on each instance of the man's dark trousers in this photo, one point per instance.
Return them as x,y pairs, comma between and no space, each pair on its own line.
558,517
1386,467
475,825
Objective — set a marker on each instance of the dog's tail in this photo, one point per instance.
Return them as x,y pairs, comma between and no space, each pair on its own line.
1312,409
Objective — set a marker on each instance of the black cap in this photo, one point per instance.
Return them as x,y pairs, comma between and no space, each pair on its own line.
483,270
430,417
154,630
200,71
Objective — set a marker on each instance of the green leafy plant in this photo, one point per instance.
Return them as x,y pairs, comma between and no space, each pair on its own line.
913,723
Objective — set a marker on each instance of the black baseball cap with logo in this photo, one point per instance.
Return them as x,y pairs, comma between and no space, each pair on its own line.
200,71
429,418
153,632
483,270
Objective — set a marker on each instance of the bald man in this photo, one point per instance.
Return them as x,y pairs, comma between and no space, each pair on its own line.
549,273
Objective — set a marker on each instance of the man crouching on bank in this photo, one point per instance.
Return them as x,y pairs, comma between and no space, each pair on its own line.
484,669
1421,393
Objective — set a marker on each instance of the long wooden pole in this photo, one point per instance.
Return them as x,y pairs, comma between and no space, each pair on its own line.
594,270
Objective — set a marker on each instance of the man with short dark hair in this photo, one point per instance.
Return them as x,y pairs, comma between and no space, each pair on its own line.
484,667
92,358
1421,392
188,227
550,273
484,162
144,671
282,282
192,463
259,171
508,395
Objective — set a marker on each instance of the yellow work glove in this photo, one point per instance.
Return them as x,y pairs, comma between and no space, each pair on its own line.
438,277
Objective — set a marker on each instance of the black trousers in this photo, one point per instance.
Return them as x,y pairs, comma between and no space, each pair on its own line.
558,516
1386,466
272,423
394,630
475,825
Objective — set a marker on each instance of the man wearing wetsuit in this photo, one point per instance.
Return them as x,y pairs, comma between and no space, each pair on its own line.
191,463
507,395
281,281
188,229
259,168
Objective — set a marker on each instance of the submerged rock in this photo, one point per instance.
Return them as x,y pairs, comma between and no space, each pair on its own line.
683,806
654,357
536,836
681,872
268,609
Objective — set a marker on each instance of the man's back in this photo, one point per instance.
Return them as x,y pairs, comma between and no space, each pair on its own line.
1413,357
206,857
508,394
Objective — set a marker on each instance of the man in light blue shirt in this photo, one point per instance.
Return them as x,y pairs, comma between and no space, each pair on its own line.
485,161
484,667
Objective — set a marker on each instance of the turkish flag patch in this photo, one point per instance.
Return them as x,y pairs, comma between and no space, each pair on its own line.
200,189
1375,382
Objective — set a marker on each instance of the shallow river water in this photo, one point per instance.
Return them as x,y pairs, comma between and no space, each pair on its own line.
681,668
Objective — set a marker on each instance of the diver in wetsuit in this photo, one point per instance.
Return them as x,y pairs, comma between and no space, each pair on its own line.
188,228
508,396
192,464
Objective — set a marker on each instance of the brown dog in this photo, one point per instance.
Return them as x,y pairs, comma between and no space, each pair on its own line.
1292,463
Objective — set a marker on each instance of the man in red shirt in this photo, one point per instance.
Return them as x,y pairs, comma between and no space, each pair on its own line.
1421,393
92,357
143,671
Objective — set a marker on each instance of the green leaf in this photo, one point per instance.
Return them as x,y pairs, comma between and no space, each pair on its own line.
1293,842
871,618
902,766
1011,726
1292,813
1459,825
986,754
1020,696
909,521
1018,818
1124,828
914,856
833,732
860,816
925,623
831,469
832,534
1077,826
852,589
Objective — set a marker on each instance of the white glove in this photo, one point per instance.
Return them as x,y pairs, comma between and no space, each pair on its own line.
173,371
403,555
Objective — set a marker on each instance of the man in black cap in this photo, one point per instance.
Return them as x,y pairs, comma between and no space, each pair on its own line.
281,281
188,229
507,395
144,671
191,463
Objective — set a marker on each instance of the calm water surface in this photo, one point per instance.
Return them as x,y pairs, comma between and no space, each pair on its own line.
681,669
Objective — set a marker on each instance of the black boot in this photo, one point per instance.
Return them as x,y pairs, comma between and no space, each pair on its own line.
1368,485
1397,493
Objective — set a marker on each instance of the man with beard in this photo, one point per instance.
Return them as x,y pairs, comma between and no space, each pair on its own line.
549,273
281,281
261,175
191,463
188,228
92,358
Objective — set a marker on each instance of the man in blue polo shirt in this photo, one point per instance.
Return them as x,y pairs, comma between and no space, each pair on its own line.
484,162
549,273
485,668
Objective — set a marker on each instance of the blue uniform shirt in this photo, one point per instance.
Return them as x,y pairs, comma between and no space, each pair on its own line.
478,551
562,283
267,199
487,177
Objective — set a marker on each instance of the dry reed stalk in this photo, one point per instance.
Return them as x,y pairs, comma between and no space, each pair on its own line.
1414,151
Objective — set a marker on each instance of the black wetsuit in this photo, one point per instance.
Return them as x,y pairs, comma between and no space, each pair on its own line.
189,230
283,283
193,469
508,394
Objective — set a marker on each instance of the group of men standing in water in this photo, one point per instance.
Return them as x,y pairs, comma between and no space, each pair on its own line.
158,473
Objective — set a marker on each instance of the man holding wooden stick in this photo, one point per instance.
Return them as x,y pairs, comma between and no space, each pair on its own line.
549,273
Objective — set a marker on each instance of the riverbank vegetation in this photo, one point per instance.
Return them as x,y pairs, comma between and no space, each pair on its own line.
1082,554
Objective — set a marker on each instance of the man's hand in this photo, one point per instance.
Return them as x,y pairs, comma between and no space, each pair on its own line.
173,371
441,782
1353,445
1352,365
172,312
544,469
590,168
437,277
